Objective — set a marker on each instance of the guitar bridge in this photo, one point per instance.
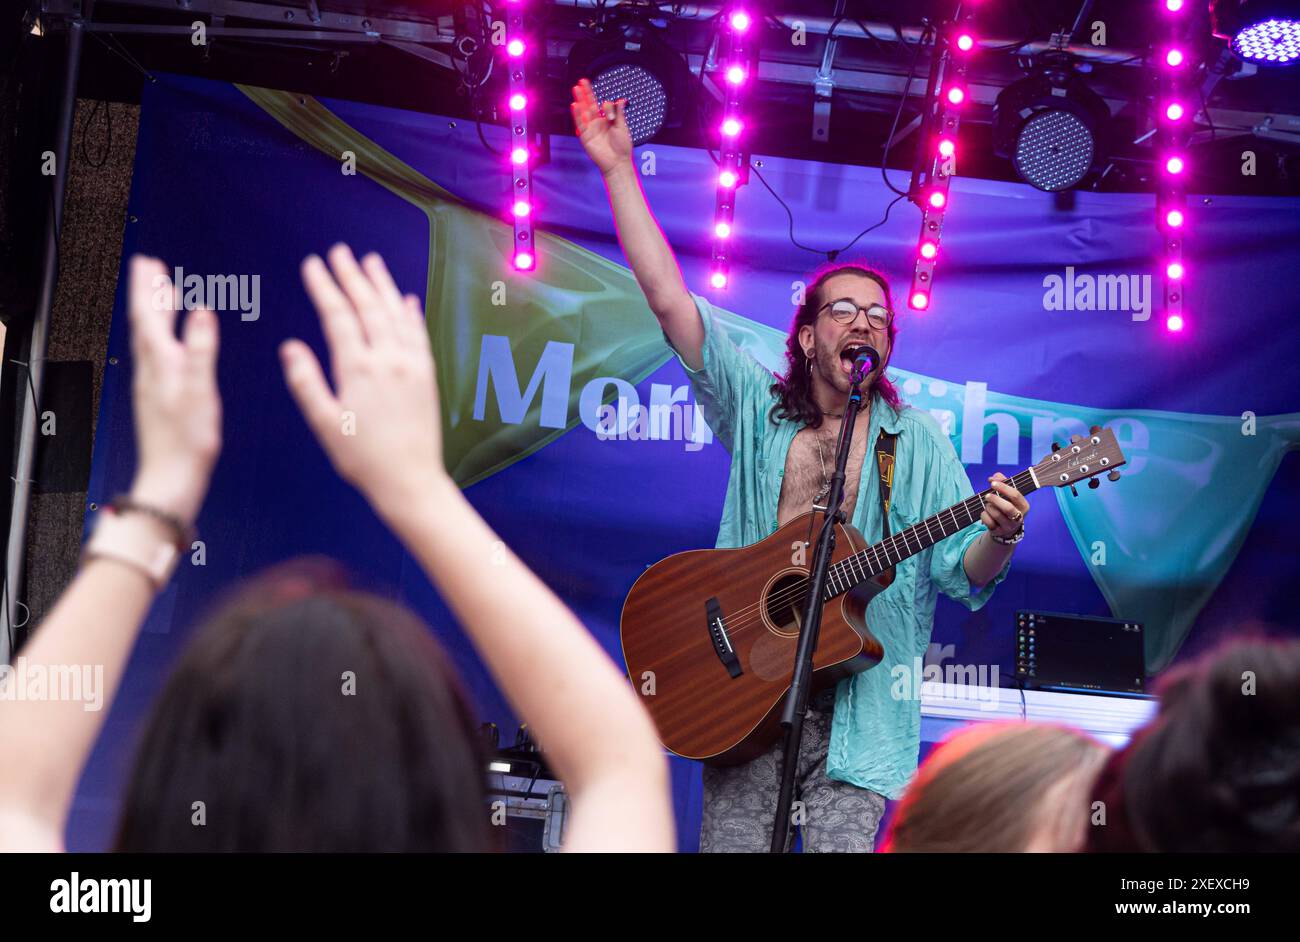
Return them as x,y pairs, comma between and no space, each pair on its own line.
718,635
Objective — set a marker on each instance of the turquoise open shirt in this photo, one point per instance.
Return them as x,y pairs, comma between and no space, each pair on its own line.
875,736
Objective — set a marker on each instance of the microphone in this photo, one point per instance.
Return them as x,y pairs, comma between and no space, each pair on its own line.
865,360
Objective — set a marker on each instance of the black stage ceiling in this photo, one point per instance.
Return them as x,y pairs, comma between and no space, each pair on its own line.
815,102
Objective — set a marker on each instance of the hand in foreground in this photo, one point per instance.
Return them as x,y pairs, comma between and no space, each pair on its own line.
380,425
602,128
174,394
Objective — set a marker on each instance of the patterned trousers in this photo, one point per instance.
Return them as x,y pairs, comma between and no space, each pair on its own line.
740,801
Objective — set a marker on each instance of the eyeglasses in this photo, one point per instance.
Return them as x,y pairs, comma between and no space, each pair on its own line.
845,311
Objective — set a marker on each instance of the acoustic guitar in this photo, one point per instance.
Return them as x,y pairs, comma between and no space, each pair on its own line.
709,636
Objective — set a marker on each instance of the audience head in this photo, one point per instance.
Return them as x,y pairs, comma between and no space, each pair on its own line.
309,717
1218,769
1000,787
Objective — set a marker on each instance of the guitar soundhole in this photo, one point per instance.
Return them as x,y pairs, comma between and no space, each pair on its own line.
785,602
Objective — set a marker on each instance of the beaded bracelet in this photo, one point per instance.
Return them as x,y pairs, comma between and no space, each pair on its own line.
1011,540
183,534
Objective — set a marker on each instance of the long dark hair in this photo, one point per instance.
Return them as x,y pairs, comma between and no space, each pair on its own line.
1218,769
794,389
255,723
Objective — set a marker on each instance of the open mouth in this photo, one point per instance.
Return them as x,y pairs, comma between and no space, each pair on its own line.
848,354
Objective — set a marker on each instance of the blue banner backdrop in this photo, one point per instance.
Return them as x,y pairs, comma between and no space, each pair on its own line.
1045,320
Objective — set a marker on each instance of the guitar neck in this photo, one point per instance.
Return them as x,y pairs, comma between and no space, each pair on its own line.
889,552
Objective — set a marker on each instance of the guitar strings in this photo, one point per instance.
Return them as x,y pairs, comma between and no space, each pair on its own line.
751,615
748,617
744,617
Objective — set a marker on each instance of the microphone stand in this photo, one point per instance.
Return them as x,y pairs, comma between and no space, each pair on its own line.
796,700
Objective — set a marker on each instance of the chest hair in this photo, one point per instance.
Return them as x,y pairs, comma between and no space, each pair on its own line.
804,478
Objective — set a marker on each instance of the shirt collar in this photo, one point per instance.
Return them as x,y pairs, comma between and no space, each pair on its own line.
887,418
883,415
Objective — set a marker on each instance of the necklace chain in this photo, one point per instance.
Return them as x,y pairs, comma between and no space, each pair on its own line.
821,459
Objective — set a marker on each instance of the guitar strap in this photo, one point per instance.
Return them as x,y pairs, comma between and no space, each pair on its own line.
885,465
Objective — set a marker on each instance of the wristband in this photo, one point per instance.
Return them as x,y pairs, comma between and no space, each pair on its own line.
1011,540
183,534
138,547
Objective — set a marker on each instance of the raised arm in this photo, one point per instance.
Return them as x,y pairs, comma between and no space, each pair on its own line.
585,714
604,135
93,626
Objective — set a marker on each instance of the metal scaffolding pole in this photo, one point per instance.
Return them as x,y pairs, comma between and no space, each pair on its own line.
30,392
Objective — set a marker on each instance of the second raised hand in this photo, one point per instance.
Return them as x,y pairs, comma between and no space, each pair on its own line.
380,425
602,127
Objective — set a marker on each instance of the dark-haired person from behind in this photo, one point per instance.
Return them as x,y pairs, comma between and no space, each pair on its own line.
257,702
1218,769
254,733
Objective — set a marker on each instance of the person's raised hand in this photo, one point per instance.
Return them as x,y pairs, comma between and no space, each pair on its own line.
602,127
380,425
174,394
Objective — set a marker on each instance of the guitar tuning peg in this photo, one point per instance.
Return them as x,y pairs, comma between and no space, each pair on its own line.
1074,490
1094,483
1113,476
1056,446
1075,439
1095,430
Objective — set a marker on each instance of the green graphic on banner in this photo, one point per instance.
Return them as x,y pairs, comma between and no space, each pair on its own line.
583,306
1157,543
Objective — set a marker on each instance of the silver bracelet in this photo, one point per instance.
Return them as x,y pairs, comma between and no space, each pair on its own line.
1011,540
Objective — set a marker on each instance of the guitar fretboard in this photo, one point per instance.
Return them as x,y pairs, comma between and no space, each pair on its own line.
889,552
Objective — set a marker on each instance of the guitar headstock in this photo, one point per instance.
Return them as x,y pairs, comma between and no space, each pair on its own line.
1082,459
